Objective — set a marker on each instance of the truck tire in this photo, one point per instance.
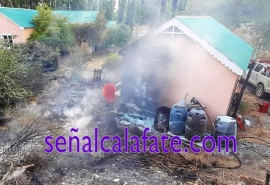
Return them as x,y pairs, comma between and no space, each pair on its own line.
260,90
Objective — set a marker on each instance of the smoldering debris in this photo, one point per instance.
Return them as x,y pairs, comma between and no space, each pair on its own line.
137,120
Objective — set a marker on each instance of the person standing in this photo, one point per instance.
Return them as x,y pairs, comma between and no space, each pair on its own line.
108,92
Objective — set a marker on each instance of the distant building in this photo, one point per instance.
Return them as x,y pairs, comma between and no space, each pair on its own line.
16,23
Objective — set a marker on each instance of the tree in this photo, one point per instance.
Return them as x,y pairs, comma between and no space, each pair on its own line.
59,34
163,7
182,5
168,10
90,32
98,29
41,21
121,10
174,7
223,11
151,11
117,36
256,13
54,31
92,5
233,13
32,4
130,14
108,7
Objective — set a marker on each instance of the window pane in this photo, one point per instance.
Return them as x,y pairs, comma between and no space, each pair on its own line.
10,39
258,67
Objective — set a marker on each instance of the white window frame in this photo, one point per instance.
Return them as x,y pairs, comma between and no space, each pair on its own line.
8,37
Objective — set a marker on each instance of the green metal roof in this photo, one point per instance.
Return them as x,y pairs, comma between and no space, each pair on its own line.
221,38
111,23
23,17
20,16
78,16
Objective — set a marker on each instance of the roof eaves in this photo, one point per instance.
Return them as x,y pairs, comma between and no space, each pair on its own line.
197,17
206,46
209,48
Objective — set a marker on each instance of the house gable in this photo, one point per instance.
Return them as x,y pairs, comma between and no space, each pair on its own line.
225,52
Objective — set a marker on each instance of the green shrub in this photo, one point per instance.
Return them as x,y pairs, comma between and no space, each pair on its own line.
78,59
117,36
10,70
37,58
113,61
21,70
37,53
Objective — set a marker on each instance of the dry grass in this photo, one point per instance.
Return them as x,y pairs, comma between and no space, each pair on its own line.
38,159
191,166
22,172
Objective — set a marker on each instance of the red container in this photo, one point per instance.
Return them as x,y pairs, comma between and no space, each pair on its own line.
263,107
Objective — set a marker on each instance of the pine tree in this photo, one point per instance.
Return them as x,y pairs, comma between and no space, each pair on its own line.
174,8
121,10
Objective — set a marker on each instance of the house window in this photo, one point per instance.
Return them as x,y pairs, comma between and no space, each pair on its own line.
7,38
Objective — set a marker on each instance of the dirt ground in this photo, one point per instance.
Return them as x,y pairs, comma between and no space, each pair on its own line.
254,153
71,103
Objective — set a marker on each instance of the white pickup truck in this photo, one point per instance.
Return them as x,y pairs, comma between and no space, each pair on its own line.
260,78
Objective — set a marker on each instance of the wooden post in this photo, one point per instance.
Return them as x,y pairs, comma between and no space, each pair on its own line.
99,74
243,89
95,74
267,178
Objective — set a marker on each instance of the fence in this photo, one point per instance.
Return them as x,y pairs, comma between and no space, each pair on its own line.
112,76
97,75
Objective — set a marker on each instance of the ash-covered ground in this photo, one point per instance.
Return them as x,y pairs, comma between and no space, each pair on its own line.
77,103
80,105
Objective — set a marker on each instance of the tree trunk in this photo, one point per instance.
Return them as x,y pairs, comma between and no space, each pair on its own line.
121,10
174,7
163,7
130,14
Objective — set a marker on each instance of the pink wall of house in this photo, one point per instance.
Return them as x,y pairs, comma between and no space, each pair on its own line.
26,33
199,74
10,28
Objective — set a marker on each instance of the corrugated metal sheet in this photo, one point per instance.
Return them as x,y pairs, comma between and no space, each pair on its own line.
221,38
24,17
111,23
21,17
78,16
